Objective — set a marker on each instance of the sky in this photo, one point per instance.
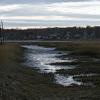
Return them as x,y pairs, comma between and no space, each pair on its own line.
49,13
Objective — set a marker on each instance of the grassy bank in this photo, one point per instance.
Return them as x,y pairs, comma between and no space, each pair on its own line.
88,48
18,82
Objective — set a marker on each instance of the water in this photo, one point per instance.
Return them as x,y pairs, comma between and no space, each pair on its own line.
66,81
41,58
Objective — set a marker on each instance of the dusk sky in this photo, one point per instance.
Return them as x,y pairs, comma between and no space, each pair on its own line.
49,13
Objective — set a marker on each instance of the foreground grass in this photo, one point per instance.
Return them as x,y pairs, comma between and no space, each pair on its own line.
18,82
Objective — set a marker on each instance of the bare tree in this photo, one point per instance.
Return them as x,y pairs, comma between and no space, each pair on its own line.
1,33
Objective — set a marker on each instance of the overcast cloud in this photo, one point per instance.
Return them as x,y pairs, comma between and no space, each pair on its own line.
49,13
39,1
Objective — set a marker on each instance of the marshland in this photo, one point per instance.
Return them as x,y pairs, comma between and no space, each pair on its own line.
49,49
50,71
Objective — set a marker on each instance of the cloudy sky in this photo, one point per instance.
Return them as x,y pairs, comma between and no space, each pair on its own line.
49,13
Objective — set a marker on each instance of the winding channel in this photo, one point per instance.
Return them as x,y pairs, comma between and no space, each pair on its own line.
41,58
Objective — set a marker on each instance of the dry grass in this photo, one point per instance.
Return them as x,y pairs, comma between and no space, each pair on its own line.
19,82
88,48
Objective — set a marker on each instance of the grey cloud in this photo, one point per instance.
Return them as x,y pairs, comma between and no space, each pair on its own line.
37,1
24,12
31,11
51,24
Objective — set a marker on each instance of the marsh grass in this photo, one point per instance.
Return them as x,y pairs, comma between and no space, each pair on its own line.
83,48
18,82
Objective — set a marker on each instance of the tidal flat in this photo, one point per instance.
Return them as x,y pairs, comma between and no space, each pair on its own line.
19,81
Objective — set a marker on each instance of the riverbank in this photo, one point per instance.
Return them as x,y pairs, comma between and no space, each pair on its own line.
79,47
18,82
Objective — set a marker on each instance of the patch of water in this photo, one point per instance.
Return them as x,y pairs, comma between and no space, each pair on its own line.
41,57
66,81
87,75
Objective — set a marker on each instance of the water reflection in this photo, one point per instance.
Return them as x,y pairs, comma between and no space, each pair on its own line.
41,57
66,81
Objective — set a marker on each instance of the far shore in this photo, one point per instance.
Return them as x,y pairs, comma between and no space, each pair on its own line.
65,41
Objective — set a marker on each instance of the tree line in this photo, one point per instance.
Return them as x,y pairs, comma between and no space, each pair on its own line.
68,33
